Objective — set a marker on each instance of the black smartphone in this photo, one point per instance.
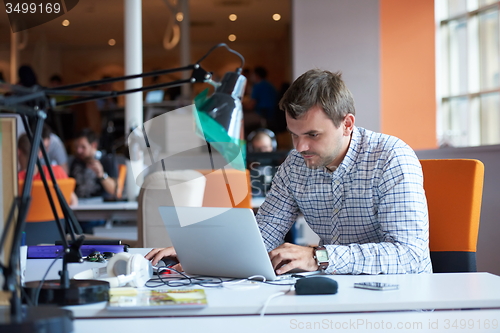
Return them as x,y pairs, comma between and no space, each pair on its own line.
376,286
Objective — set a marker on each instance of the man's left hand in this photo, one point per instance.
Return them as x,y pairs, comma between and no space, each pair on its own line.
289,256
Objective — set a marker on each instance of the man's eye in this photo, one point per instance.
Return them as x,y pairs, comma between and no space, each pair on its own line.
315,135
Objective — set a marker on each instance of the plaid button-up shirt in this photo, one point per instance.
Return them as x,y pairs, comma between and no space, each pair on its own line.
370,213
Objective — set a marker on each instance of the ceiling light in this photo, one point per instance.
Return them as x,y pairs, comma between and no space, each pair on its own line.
233,17
276,17
179,17
111,42
232,37
65,23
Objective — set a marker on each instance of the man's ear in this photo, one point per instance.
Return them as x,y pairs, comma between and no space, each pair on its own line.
94,145
349,124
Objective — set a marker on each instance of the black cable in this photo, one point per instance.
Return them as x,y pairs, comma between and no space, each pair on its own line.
229,49
183,280
39,288
276,283
27,297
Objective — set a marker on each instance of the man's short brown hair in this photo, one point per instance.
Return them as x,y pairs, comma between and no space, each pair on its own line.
24,144
319,88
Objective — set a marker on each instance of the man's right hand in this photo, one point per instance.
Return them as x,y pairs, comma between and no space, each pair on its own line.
155,255
96,166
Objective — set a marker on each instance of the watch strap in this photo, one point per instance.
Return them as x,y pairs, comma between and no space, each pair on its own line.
321,264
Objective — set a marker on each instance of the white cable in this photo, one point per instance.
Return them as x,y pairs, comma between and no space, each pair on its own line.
269,300
254,283
257,276
234,282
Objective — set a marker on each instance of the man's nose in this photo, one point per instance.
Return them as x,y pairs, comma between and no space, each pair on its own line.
301,145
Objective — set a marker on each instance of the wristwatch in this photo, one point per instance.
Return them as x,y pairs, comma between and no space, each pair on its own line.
321,257
104,176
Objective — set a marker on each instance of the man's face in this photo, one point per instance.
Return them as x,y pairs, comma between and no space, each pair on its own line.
316,138
262,144
85,150
46,144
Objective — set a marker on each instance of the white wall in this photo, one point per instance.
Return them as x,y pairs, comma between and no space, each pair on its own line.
341,35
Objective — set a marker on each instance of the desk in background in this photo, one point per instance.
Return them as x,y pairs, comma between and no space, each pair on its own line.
97,209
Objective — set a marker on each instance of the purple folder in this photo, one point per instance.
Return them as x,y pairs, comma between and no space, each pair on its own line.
54,251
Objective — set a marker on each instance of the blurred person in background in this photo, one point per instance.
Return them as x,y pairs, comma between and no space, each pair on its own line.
23,152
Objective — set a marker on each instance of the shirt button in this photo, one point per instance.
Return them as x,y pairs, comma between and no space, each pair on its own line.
336,210
337,182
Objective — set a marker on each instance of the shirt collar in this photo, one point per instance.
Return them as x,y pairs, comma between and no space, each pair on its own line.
349,160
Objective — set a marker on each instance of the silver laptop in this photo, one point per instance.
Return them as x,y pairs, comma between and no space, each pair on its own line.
213,241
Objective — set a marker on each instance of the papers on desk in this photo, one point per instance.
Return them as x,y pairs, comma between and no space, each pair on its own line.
148,299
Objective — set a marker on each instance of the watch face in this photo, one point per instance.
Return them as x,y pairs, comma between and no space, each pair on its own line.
321,255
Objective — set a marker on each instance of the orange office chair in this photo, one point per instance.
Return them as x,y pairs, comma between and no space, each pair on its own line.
217,193
40,207
40,226
120,181
454,190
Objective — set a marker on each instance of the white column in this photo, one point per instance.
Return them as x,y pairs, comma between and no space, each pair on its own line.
133,62
133,102
14,57
185,46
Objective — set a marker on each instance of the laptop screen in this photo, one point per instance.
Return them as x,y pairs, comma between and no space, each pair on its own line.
155,96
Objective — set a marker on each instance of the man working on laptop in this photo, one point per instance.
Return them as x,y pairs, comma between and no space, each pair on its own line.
360,191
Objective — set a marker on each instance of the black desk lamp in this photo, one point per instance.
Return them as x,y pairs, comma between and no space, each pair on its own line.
224,106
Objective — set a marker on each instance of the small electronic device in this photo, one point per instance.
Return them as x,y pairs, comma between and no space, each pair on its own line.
316,285
376,286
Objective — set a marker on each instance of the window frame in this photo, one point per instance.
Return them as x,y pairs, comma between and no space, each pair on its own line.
472,134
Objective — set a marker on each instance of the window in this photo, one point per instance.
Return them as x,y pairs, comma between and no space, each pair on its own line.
468,72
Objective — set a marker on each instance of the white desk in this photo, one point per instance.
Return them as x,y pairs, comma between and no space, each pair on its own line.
438,291
424,291
97,209
412,321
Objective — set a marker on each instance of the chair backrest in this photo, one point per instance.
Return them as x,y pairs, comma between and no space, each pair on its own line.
40,209
187,188
120,181
217,193
454,189
190,188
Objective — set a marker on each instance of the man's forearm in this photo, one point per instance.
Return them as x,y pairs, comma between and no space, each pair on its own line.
109,185
377,258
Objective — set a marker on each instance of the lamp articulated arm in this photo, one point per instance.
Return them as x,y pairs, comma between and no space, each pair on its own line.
22,102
